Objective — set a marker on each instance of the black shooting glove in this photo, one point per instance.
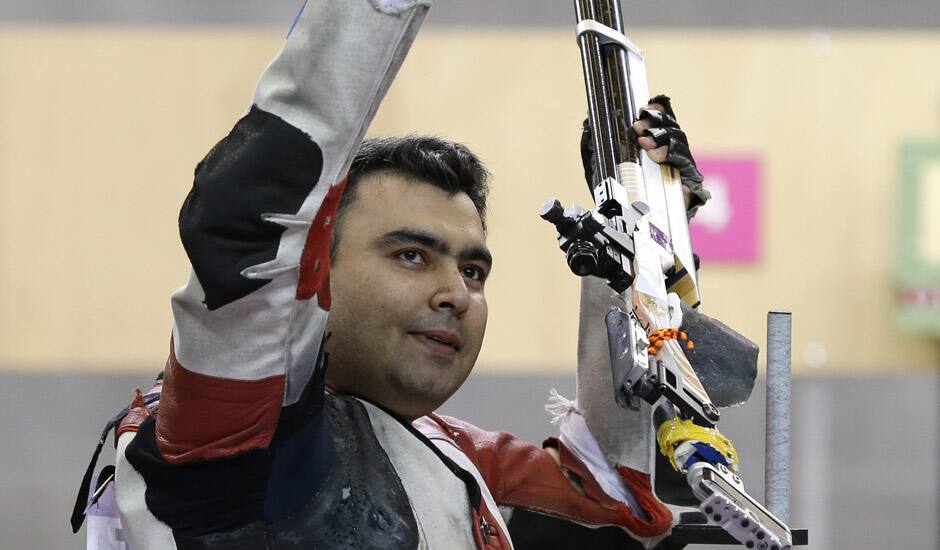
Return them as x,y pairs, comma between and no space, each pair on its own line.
665,131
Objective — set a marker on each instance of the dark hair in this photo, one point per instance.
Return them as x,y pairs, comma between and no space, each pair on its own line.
444,164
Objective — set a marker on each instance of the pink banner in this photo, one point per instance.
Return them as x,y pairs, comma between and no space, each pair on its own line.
727,228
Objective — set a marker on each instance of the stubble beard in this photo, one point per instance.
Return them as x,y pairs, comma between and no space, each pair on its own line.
426,383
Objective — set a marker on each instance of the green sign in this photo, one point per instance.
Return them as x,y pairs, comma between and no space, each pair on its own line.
918,271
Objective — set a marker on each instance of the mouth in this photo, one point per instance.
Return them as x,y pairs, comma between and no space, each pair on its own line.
439,341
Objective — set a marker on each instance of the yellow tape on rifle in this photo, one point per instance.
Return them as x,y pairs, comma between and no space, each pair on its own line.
673,432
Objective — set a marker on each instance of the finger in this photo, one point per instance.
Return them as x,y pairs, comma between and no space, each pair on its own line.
647,142
659,154
641,126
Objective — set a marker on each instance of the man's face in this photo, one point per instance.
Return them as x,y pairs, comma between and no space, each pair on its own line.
408,309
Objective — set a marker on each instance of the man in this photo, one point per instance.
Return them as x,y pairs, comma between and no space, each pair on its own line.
280,426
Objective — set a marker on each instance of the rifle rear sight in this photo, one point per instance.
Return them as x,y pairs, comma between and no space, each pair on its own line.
594,244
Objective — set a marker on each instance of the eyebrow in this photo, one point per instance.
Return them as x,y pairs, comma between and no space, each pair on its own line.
408,235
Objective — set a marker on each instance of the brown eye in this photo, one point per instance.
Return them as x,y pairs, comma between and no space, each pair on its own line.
411,256
474,273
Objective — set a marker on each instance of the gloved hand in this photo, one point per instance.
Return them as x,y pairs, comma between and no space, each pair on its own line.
659,134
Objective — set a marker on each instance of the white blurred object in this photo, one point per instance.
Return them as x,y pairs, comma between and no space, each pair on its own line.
716,215
815,355
819,44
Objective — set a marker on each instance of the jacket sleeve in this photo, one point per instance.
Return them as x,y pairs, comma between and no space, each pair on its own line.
256,228
524,476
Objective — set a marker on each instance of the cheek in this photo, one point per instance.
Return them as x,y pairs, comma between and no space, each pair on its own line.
342,293
478,321
369,295
350,311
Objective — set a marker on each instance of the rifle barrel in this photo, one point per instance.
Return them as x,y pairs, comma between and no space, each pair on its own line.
598,98
617,64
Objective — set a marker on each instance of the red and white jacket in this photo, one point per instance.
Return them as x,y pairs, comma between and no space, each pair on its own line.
241,439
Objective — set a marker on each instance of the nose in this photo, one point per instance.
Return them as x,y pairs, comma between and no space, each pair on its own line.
452,294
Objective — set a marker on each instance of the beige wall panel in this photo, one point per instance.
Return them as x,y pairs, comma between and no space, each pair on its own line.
99,132
100,129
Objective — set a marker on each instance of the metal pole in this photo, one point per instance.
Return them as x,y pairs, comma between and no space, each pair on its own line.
777,446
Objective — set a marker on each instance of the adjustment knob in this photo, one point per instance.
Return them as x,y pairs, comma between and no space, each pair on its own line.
552,211
582,258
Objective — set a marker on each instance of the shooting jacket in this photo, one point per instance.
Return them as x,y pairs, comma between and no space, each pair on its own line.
244,449
437,482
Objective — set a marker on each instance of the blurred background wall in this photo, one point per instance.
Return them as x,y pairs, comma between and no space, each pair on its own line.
105,109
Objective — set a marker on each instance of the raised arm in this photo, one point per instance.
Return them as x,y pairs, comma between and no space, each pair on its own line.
256,228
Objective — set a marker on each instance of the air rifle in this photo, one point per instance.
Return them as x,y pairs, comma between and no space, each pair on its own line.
637,239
